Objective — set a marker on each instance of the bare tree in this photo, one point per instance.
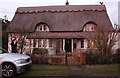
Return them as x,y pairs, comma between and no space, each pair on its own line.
22,42
17,42
104,39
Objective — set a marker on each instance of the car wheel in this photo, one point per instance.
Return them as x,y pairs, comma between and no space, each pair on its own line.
8,69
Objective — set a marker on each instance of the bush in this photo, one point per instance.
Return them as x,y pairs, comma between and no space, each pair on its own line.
118,50
40,51
116,56
40,55
91,59
99,58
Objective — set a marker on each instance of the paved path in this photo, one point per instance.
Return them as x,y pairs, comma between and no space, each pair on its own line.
74,70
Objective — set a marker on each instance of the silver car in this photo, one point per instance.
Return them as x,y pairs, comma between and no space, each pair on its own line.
13,63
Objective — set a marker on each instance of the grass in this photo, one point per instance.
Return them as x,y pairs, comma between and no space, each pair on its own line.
111,69
62,70
48,66
41,70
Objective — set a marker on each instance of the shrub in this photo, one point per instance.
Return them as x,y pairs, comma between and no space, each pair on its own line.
91,59
40,51
40,55
118,50
116,56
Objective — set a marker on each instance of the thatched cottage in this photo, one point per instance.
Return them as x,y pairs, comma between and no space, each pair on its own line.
57,28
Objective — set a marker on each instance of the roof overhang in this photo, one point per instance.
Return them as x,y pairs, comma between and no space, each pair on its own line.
56,35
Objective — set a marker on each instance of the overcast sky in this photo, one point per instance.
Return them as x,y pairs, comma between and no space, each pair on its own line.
8,7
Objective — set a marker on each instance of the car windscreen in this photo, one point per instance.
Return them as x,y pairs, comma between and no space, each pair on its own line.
3,51
0,51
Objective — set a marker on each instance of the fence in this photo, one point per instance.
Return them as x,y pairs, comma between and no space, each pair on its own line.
68,58
72,58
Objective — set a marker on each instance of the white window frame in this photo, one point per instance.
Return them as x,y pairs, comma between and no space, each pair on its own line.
89,26
44,27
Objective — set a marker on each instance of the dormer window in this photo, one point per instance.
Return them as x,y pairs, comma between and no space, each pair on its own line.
89,27
42,27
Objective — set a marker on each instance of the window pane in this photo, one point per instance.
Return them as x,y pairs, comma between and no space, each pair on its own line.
34,42
40,28
50,42
44,42
39,43
82,43
89,27
44,27
88,43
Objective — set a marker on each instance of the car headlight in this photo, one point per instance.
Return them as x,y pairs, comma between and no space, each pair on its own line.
20,61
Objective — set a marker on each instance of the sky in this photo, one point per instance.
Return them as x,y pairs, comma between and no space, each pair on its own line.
8,7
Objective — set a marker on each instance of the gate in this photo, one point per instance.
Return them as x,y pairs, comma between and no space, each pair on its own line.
76,58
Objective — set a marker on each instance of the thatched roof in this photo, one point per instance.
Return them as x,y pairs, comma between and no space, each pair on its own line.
46,35
59,18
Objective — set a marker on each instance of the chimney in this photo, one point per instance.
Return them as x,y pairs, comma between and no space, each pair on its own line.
67,3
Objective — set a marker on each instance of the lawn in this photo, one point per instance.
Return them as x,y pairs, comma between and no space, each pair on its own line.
111,69
41,70
63,70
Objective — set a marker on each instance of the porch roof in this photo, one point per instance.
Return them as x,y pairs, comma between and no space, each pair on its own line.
41,35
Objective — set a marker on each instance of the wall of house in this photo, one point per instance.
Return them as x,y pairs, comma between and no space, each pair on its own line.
57,44
117,44
118,40
78,45
52,50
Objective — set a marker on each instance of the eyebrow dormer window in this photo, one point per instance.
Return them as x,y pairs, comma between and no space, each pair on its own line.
89,27
42,27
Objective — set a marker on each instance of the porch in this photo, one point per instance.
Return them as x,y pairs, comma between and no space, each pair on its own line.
55,46
56,42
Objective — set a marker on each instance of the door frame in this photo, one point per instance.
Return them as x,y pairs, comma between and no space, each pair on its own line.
68,45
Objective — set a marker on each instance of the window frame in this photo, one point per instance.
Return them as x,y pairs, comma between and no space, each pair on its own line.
42,27
90,26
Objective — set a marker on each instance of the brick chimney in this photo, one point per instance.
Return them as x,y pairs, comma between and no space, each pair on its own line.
67,3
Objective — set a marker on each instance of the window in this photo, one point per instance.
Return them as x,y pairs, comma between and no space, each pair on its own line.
90,44
42,27
87,43
89,27
82,43
74,45
44,42
50,42
34,42
93,45
39,42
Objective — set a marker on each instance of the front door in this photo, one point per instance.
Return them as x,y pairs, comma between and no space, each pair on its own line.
68,45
